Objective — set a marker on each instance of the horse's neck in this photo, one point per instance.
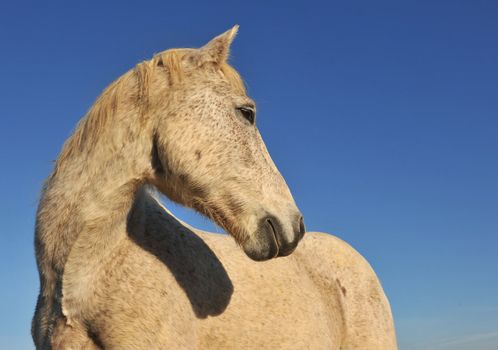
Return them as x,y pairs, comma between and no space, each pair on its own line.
104,210
94,247
85,193
83,211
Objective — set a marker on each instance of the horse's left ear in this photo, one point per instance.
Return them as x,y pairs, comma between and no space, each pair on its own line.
217,49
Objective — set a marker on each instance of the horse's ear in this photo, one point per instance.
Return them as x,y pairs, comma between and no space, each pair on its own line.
217,49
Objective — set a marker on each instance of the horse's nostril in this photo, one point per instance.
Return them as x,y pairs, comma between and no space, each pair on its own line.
272,226
302,228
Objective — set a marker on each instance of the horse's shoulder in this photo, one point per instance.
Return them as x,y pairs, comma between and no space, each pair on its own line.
333,263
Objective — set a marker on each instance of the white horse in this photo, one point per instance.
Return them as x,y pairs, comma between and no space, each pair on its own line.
118,271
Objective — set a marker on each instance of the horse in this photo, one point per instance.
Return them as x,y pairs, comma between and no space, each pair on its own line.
119,271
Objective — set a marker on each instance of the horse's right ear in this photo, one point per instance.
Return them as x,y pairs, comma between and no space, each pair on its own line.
218,49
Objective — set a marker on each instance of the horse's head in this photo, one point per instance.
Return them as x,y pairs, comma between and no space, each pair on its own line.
208,153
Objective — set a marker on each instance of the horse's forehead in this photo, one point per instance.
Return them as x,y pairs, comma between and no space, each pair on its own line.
224,78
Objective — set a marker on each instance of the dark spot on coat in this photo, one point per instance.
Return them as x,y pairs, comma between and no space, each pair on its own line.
198,154
343,290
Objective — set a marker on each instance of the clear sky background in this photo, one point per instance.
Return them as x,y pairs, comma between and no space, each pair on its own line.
382,117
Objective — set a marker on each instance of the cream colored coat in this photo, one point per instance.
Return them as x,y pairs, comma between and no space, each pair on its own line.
169,286
117,271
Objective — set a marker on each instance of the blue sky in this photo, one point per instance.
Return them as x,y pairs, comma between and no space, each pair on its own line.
382,117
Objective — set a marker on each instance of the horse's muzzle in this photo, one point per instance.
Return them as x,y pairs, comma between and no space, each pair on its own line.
273,239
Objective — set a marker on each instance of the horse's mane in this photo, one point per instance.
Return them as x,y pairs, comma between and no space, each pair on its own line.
97,118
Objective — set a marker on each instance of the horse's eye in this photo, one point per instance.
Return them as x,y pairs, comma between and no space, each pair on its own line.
247,113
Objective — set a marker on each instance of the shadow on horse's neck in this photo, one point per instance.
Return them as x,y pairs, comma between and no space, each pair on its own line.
196,268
